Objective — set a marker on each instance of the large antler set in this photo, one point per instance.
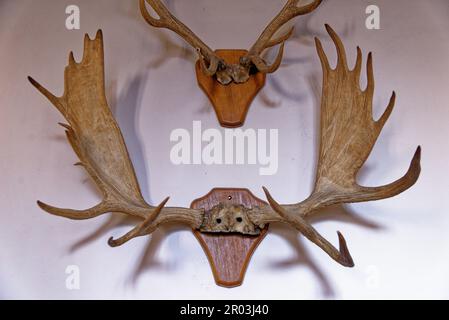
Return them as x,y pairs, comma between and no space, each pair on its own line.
212,64
348,134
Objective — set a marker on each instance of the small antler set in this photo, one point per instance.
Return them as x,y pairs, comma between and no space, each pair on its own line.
211,63
348,134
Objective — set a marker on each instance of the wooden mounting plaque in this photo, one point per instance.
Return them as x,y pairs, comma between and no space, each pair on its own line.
228,254
231,102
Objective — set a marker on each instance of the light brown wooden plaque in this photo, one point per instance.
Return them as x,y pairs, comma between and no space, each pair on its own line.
228,254
231,102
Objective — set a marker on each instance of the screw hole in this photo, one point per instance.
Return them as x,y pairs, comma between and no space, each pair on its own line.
218,221
239,219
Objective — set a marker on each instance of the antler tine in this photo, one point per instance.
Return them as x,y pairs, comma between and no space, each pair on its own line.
342,256
358,64
280,39
75,214
288,12
169,21
263,67
56,101
213,64
141,229
341,51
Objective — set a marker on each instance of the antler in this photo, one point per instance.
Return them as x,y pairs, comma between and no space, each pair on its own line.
99,144
169,21
213,65
348,134
265,41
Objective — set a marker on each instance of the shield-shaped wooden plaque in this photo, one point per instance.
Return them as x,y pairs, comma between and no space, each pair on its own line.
228,254
231,102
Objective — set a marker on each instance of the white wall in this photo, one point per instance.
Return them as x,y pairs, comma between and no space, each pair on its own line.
400,245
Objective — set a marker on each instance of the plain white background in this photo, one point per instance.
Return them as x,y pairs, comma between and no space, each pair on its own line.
400,245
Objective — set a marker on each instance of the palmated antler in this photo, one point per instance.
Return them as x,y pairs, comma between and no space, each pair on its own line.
348,135
212,64
99,144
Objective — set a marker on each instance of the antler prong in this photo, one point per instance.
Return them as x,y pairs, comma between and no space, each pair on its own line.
91,45
341,52
142,229
71,58
390,190
288,12
323,58
307,8
387,113
169,21
280,39
342,255
65,126
358,64
370,86
75,214
155,22
213,64
263,67
56,101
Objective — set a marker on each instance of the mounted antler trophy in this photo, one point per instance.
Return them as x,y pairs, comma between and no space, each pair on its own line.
228,222
232,78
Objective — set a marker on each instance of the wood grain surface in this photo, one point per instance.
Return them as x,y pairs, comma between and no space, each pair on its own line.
228,254
231,102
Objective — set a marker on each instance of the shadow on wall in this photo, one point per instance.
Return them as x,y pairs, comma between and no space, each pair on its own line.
126,109
302,257
127,112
